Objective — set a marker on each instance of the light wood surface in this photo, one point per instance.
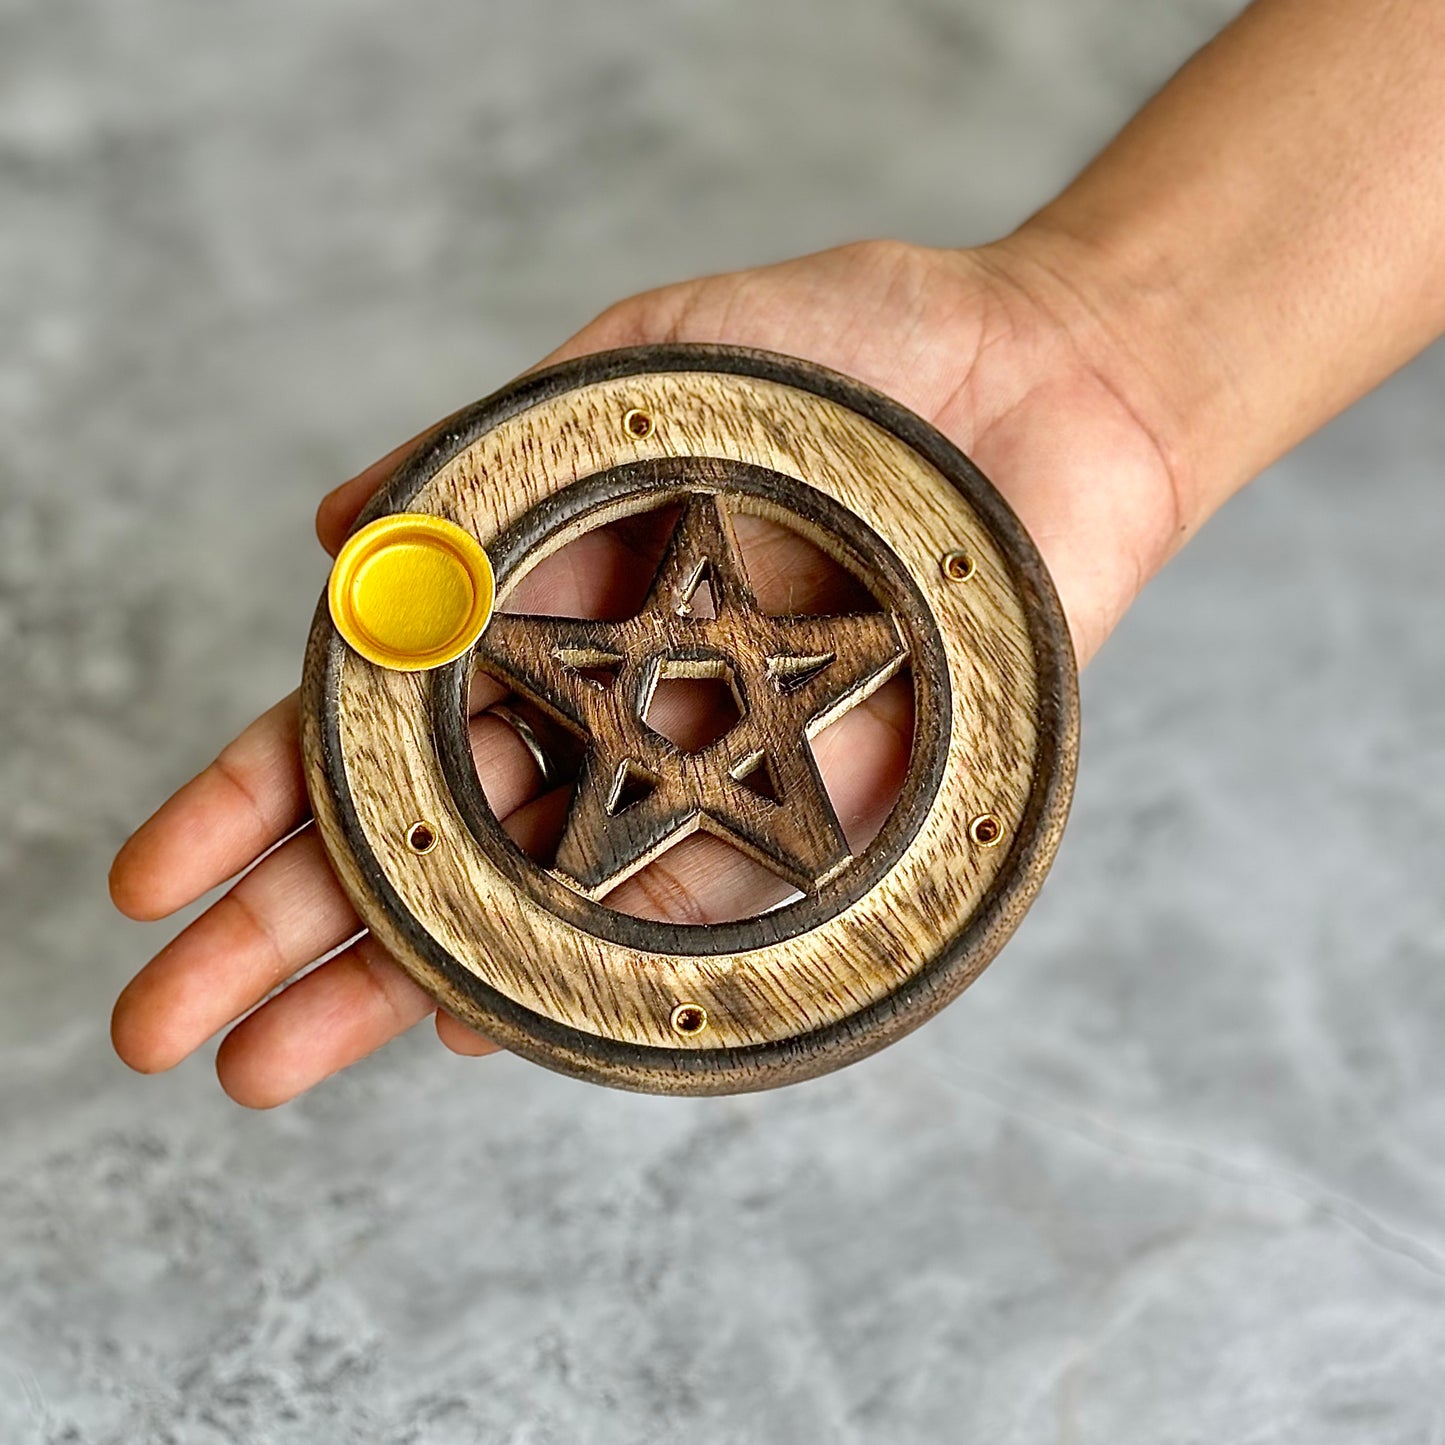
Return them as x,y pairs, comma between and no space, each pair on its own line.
600,1000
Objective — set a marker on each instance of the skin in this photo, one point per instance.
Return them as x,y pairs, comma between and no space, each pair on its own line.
1258,248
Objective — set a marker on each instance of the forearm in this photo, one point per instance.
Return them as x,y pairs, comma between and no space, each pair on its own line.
1265,241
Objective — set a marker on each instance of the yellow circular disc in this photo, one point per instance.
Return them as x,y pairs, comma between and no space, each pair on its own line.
411,591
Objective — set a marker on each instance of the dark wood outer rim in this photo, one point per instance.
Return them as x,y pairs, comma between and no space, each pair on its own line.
943,977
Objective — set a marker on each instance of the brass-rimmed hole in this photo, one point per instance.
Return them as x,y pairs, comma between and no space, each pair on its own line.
638,423
421,837
689,1018
986,831
958,566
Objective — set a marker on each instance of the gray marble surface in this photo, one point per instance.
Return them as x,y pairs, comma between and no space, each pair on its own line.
1174,1171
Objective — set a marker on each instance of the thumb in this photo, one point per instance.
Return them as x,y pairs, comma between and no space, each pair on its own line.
634,322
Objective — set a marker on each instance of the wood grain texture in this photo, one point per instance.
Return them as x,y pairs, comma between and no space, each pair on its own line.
597,999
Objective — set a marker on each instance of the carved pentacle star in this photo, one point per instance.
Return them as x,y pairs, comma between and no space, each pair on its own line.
756,785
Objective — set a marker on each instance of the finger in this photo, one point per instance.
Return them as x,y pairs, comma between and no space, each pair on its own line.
351,1005
346,1008
337,511
506,768
245,802
460,1038
863,760
288,910
340,1012
284,913
483,691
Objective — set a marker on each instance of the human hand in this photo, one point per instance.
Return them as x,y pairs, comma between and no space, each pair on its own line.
1257,249
992,346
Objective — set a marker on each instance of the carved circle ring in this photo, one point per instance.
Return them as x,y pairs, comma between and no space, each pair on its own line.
871,944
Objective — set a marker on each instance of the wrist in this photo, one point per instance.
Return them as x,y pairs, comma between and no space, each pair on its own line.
1135,325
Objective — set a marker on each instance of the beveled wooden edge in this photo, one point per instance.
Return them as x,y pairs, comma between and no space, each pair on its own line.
942,978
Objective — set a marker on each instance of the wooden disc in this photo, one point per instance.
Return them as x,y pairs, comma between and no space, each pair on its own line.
956,604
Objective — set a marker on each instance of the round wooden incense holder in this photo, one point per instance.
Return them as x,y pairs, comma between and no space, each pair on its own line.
866,945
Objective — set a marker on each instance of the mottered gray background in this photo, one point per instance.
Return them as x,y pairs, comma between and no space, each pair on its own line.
1173,1171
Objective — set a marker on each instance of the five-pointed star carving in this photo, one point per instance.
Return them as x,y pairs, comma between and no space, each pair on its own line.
757,785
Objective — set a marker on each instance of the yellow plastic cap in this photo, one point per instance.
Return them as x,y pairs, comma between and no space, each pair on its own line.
411,591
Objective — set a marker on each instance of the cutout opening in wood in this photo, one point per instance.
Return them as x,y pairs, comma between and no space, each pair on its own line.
699,881
631,785
696,598
598,665
792,576
791,671
533,821
863,759
603,574
693,702
755,773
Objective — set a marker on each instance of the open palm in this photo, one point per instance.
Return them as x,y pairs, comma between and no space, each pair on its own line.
1001,357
